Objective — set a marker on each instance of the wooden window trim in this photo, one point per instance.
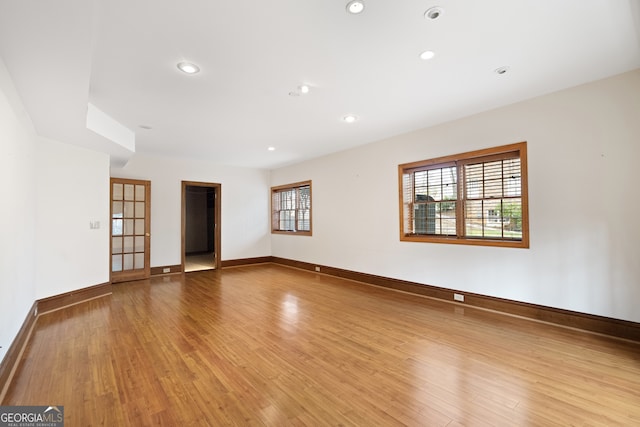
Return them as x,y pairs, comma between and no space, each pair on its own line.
462,159
274,221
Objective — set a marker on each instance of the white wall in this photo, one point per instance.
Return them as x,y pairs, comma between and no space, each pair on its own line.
245,205
583,147
49,191
17,212
73,190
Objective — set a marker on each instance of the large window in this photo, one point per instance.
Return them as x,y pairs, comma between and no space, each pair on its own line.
291,208
477,198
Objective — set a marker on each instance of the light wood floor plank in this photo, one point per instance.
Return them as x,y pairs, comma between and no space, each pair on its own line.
267,345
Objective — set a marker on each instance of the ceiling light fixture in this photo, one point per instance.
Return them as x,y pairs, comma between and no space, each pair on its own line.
427,54
350,118
300,90
271,148
433,13
501,70
188,67
355,7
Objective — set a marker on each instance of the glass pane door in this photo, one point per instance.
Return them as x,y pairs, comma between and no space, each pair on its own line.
130,235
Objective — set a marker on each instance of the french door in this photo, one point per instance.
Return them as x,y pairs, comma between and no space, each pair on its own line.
130,229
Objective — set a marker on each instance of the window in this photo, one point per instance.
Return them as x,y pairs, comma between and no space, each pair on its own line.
291,208
476,198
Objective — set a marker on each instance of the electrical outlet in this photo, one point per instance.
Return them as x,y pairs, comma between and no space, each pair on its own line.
317,268
458,297
166,270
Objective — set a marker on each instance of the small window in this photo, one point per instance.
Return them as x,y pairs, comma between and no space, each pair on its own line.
291,208
477,198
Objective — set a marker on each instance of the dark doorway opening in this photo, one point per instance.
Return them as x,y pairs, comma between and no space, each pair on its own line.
200,226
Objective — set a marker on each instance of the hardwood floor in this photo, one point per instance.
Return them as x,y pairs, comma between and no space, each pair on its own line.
271,345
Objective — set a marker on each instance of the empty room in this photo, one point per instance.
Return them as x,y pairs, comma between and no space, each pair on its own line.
322,212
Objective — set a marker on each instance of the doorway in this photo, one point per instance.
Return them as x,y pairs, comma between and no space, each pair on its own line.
130,231
200,226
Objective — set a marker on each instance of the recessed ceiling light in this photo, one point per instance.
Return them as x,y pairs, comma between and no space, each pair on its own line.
501,70
350,118
433,13
188,67
271,148
355,6
427,54
301,90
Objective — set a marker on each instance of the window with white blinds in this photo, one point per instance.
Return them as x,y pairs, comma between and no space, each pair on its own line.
478,197
291,208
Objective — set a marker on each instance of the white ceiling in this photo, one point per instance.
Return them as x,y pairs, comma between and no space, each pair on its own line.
121,56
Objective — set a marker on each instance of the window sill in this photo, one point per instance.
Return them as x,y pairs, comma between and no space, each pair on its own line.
522,244
292,233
